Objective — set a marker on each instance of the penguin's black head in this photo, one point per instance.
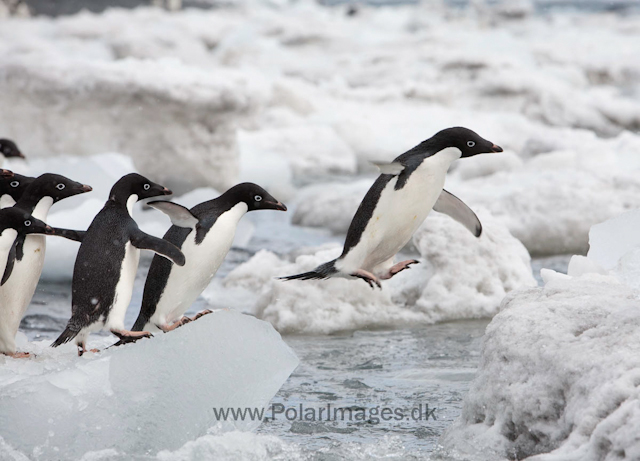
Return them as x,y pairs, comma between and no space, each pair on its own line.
469,142
8,148
254,196
55,186
136,184
23,222
14,185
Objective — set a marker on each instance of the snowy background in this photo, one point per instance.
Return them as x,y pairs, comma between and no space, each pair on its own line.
299,98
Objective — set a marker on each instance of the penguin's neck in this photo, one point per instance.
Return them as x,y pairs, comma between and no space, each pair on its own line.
133,198
125,201
42,207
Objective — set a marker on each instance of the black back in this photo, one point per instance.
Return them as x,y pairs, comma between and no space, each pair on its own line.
207,213
469,143
97,269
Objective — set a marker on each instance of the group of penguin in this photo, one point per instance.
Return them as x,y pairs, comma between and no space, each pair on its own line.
191,251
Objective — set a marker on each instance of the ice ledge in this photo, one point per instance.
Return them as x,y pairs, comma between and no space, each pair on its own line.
145,397
558,377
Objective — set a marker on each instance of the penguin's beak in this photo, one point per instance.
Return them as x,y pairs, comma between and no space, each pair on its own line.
84,188
276,206
166,191
21,155
6,173
49,230
496,149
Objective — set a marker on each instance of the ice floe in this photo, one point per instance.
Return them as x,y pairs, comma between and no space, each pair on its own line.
155,395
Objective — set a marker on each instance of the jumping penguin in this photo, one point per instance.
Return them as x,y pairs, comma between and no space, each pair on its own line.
204,234
14,222
397,204
12,187
24,264
107,263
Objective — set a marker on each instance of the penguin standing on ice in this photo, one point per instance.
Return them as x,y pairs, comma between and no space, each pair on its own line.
397,204
25,261
9,149
204,234
12,187
107,263
14,222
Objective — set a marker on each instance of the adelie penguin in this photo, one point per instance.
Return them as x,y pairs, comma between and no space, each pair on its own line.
12,187
107,263
397,204
8,149
204,234
25,261
14,222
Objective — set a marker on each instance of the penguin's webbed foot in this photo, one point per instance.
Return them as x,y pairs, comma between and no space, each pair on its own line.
201,314
127,336
20,355
367,277
82,350
399,267
178,323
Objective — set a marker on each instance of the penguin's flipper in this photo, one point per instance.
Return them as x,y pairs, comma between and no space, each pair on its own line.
452,206
75,235
180,216
11,259
393,168
164,248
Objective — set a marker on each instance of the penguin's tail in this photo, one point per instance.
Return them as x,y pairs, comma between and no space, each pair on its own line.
67,335
323,271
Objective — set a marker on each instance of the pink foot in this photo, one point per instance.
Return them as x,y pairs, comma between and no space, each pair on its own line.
20,355
399,267
127,336
367,277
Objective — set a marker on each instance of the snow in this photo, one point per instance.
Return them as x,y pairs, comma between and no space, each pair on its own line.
558,376
460,277
129,398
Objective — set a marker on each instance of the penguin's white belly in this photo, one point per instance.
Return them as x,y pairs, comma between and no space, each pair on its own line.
124,288
186,283
399,213
17,292
7,315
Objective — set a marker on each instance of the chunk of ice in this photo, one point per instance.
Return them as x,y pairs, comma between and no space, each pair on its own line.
154,395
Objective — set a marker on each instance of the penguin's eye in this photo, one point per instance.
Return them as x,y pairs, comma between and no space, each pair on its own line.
14,183
60,186
471,143
27,223
257,198
146,186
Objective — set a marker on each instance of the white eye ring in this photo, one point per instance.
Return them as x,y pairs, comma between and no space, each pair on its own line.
60,186
14,183
257,198
27,223
471,143
146,186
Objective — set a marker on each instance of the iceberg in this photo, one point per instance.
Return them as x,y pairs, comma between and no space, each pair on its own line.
142,398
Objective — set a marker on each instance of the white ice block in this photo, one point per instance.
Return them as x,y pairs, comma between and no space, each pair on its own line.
154,395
